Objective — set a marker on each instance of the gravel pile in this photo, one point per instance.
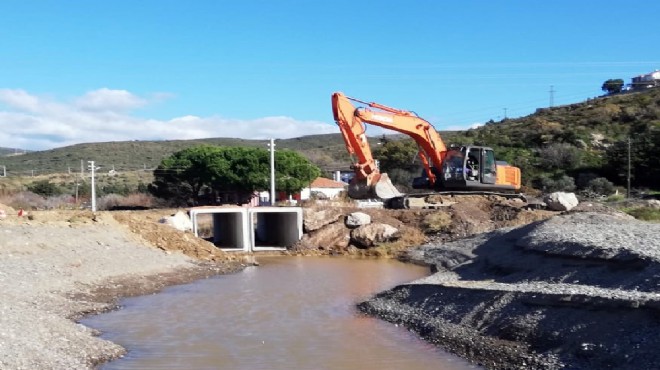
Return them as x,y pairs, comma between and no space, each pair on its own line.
578,291
53,273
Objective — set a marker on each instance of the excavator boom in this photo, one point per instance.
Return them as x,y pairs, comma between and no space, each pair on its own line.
368,181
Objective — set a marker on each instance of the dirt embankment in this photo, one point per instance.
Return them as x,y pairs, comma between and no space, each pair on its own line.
578,291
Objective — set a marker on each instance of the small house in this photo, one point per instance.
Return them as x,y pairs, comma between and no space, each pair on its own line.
323,188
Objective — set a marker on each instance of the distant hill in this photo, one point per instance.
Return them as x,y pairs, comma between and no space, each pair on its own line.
11,151
589,127
593,132
324,150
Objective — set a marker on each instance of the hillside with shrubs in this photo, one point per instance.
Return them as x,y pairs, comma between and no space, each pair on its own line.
577,147
582,147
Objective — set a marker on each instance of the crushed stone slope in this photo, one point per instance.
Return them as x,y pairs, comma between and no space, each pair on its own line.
577,291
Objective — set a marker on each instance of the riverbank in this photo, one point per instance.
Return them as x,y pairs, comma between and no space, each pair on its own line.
58,266
577,291
572,291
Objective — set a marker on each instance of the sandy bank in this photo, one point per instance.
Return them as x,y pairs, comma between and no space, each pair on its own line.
578,291
53,272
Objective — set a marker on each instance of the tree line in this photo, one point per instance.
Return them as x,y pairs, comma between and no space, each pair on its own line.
206,174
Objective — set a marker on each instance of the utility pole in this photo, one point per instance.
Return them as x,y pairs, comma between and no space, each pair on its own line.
92,169
552,96
504,113
629,169
272,171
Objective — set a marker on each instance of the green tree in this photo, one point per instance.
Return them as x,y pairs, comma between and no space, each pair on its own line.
182,176
293,171
399,159
612,86
644,158
401,154
188,176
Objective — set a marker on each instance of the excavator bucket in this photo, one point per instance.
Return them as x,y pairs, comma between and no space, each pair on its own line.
381,189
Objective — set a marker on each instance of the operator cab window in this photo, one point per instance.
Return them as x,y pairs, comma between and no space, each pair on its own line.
473,165
489,167
452,168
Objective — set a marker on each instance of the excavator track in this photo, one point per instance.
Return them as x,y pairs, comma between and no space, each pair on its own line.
419,200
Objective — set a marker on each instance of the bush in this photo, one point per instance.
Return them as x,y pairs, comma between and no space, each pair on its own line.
645,213
559,156
133,201
615,198
44,188
436,222
601,186
60,202
26,200
108,202
562,183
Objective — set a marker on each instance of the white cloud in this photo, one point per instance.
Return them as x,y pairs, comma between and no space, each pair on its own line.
109,100
33,122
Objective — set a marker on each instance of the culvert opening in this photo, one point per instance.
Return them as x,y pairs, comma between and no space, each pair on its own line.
225,227
275,228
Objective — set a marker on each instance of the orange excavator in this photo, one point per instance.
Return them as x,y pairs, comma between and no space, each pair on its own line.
466,169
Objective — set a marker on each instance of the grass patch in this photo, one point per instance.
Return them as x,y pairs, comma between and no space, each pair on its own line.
615,198
645,213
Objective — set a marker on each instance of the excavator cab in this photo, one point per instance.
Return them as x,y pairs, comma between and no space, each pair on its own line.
464,168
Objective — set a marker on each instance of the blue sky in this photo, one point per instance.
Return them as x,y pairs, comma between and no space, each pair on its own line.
81,71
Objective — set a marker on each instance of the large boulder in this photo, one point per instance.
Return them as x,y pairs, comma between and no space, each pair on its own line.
373,234
332,237
357,219
560,201
180,221
653,203
314,219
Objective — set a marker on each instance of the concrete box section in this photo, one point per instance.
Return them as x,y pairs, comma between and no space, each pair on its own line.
251,229
230,227
275,228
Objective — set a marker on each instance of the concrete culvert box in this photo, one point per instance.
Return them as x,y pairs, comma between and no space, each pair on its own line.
275,228
229,227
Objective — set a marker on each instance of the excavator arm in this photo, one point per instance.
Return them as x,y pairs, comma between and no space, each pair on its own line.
368,181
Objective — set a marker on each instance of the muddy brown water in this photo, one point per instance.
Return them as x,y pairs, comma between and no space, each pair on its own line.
287,313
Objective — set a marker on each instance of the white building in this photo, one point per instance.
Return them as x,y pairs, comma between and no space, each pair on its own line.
647,80
323,187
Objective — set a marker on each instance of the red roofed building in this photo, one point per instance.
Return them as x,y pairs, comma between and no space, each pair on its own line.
322,187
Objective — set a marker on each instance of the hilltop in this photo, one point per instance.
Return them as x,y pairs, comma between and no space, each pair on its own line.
564,140
324,150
